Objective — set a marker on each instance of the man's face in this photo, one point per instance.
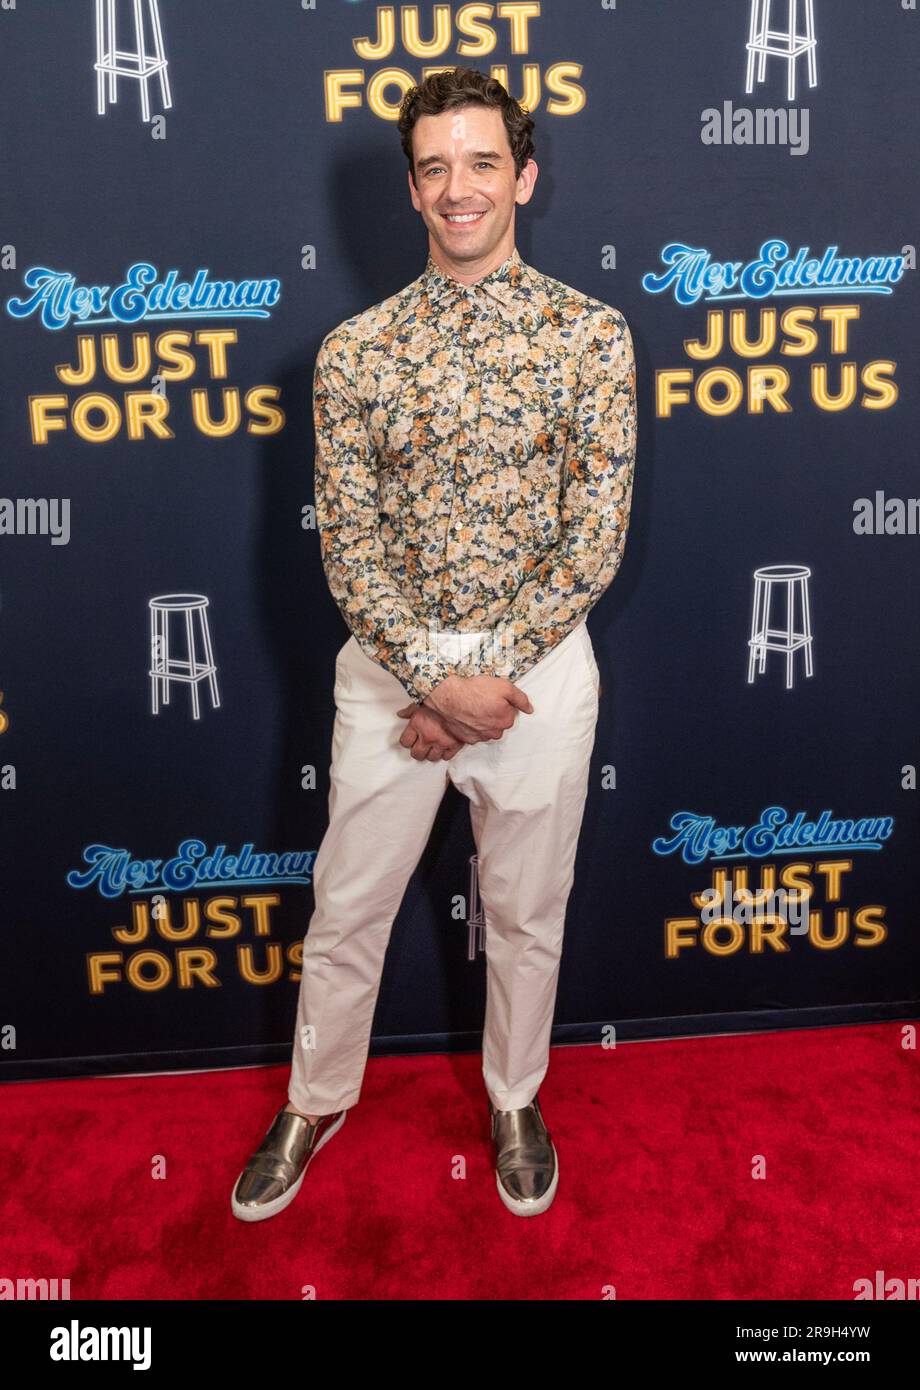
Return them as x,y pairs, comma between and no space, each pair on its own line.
464,167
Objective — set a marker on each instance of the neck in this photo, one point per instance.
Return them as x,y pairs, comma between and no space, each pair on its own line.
468,272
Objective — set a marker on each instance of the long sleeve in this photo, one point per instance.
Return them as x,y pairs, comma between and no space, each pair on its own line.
347,513
598,468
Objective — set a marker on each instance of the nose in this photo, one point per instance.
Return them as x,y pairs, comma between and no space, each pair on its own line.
457,185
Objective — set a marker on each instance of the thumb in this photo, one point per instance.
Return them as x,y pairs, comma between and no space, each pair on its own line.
519,699
406,712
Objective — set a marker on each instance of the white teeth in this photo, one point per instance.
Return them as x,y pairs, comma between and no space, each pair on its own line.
463,217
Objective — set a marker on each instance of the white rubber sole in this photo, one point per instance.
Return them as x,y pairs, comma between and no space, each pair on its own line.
531,1208
267,1209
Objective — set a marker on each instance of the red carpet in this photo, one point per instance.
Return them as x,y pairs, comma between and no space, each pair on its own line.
656,1142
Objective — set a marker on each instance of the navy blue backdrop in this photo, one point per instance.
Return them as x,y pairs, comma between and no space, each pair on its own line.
156,866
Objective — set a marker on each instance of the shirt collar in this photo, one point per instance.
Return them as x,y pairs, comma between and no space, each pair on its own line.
506,284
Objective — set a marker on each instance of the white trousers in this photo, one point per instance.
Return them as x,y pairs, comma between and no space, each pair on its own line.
527,794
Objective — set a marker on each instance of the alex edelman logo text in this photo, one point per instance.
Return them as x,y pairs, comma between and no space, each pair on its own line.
115,871
56,297
693,274
698,837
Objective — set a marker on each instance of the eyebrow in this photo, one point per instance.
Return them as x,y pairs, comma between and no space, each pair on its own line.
440,158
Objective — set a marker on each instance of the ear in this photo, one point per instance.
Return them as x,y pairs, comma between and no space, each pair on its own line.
526,180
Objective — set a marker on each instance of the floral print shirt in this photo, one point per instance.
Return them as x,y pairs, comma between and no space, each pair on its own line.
475,449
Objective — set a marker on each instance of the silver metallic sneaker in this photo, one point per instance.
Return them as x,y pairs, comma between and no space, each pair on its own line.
272,1177
526,1163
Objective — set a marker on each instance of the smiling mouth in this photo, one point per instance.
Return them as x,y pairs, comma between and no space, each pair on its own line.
463,219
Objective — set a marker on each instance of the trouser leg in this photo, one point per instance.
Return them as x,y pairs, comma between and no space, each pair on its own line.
382,805
527,794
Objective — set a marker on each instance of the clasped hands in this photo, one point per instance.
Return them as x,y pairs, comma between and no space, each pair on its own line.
461,710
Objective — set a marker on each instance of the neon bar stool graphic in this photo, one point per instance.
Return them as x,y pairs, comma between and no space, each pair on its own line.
792,580
765,43
164,667
476,921
113,62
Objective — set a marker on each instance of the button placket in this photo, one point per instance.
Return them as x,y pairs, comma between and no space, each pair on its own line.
470,318
470,406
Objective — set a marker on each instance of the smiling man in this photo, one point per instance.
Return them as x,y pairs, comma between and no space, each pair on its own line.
475,449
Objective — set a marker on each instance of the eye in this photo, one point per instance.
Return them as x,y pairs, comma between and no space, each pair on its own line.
438,168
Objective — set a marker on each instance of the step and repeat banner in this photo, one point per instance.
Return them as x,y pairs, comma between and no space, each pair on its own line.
195,193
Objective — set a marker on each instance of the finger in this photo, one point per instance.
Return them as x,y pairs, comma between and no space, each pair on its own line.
463,733
519,699
444,723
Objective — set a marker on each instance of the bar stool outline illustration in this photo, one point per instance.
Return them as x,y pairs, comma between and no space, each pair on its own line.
789,639
165,668
790,44
476,920
111,60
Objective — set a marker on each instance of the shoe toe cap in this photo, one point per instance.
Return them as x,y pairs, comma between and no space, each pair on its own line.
256,1189
528,1184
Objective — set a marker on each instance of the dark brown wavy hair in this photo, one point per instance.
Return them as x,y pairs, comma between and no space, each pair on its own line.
445,91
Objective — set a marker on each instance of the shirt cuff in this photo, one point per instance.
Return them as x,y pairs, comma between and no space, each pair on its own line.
426,675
